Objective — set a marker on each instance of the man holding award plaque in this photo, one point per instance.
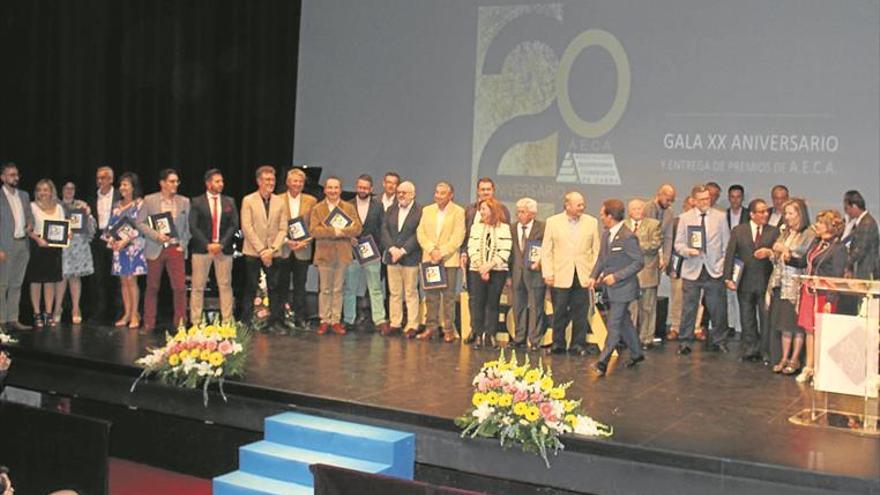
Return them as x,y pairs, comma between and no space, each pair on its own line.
165,249
298,247
701,240
402,253
334,224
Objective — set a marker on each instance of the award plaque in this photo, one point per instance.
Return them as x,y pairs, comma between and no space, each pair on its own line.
338,219
163,223
124,230
696,237
56,233
77,219
367,250
737,272
297,229
433,276
532,253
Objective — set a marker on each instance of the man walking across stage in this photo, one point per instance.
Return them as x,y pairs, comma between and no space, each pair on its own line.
648,235
620,260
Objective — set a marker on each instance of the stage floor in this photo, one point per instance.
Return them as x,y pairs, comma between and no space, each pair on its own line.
705,405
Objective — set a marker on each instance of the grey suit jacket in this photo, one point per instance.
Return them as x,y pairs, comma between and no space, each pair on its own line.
7,224
518,270
650,241
152,206
623,258
864,250
717,236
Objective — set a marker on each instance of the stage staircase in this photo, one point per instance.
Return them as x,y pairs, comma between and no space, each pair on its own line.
279,464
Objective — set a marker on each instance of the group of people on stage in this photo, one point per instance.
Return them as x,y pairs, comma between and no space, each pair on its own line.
738,266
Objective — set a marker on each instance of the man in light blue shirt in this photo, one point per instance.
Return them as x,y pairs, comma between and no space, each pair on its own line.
702,268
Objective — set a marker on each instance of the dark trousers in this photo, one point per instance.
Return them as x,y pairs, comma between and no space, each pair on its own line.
170,260
753,318
528,313
101,300
297,271
483,300
570,305
620,328
716,303
276,294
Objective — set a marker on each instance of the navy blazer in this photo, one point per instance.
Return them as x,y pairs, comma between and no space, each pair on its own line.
623,259
200,223
756,273
373,223
404,238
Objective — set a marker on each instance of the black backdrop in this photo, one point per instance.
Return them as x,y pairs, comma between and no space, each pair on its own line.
142,85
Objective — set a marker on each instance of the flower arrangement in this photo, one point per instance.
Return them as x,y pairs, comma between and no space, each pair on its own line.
197,356
5,338
521,404
260,318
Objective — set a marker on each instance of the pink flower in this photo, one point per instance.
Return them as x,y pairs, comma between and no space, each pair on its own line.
225,347
546,409
537,397
520,396
211,345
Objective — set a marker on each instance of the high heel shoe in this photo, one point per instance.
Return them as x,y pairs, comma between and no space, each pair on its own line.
805,376
76,319
50,320
792,367
777,368
121,322
38,320
135,322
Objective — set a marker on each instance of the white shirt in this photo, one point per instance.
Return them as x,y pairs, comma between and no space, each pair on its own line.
612,232
755,228
363,207
775,218
219,213
519,233
41,216
17,212
852,224
293,204
388,201
734,217
441,215
401,215
105,206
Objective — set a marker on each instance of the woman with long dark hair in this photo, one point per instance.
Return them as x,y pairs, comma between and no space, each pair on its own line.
128,255
76,259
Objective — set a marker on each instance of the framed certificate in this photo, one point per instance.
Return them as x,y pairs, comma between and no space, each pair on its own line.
163,223
124,230
736,275
367,250
77,219
696,237
338,219
532,253
56,233
297,229
433,276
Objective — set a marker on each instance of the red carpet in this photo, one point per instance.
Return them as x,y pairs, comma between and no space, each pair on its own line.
131,478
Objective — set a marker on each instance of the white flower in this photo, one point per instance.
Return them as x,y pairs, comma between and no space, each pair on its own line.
483,412
236,348
587,426
204,369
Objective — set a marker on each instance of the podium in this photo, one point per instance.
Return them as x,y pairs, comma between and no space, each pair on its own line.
846,379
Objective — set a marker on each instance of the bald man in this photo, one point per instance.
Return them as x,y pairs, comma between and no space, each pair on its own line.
644,309
402,255
568,254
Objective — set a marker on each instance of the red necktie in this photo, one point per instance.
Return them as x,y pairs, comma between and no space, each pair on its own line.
758,236
215,227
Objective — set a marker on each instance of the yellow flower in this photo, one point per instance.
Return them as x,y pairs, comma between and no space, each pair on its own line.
216,359
505,400
205,355
227,332
492,398
194,353
192,331
519,371
571,419
533,413
533,375
490,364
478,399
173,360
265,301
520,409
546,384
181,334
557,393
570,405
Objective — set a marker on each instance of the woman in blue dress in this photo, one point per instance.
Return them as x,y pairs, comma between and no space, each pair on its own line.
128,254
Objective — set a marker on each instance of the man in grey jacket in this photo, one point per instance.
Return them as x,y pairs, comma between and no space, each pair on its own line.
16,220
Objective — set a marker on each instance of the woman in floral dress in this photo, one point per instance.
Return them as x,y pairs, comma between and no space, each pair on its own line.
128,255
76,259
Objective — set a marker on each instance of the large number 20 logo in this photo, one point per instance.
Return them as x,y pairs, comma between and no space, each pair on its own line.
495,138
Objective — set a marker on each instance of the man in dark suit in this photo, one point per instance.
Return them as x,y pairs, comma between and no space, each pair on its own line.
862,238
778,195
526,279
103,289
402,255
752,244
620,260
735,213
213,221
371,212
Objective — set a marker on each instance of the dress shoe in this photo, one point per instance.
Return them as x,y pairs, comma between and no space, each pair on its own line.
338,328
599,369
411,333
556,350
700,334
323,328
449,336
683,350
593,349
392,331
577,351
428,334
634,361
672,335
383,328
647,347
14,325
721,347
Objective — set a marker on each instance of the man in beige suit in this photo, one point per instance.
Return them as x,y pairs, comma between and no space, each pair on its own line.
332,253
440,234
297,254
568,254
264,225
649,234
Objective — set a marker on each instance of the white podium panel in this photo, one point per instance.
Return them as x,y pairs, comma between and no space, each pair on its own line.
846,354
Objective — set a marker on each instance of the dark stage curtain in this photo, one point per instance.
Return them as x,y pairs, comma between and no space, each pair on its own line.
142,85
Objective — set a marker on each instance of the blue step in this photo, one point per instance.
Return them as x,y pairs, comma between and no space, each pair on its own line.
286,463
365,442
241,483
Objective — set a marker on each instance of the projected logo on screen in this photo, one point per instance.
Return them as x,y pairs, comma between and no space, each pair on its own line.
528,132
